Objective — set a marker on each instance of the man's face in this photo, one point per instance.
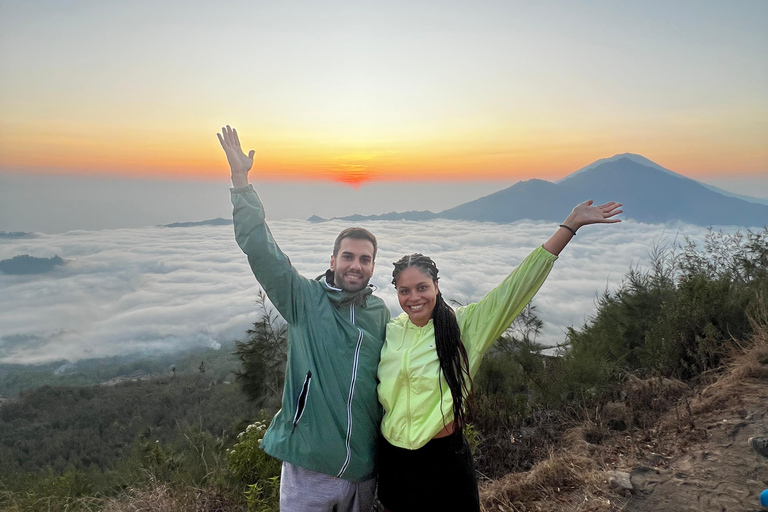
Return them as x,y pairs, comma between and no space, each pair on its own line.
352,267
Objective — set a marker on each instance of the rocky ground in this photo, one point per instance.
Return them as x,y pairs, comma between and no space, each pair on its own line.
666,448
719,471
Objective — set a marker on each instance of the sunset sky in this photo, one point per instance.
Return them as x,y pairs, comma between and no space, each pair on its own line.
373,91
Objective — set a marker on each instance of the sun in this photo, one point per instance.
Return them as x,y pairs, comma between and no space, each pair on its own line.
353,174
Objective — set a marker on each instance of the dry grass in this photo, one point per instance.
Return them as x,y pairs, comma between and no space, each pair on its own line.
152,498
742,384
750,362
162,497
55,504
561,482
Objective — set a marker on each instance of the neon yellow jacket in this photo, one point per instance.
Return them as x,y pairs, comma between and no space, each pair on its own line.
414,411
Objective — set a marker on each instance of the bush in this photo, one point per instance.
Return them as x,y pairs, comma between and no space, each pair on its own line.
678,318
252,469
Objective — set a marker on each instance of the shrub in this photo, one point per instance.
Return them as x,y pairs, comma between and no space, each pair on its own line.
679,317
252,469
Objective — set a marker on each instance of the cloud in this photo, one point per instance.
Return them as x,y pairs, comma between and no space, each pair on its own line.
158,289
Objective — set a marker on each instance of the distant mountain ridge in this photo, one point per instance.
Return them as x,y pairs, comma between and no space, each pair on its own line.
218,221
16,234
650,193
26,264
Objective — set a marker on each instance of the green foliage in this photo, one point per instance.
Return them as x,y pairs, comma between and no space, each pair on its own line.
48,491
263,357
676,319
76,428
513,387
68,448
194,458
251,467
694,331
514,370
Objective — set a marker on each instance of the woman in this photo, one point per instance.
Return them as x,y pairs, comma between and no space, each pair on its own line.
426,369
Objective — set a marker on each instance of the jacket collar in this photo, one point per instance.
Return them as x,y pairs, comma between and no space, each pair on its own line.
340,297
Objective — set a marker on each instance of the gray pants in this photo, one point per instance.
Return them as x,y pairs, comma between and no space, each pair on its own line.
302,490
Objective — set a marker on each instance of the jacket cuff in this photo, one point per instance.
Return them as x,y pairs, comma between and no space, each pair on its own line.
241,190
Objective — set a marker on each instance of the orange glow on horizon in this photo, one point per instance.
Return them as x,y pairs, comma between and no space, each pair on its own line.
127,155
355,175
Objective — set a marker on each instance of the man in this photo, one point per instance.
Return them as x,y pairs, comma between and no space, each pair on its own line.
327,429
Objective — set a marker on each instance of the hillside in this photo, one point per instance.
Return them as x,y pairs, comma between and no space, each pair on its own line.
67,428
689,451
219,364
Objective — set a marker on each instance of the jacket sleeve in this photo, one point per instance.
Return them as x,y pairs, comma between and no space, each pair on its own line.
272,268
483,322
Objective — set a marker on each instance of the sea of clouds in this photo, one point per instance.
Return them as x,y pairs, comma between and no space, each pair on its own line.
158,289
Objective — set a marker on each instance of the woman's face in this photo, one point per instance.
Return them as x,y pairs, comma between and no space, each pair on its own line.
417,294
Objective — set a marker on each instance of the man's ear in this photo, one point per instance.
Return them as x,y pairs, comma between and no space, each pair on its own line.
333,263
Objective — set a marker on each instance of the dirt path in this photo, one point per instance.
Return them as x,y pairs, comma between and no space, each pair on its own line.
722,475
718,471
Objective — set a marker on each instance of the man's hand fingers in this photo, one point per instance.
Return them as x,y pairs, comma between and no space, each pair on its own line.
235,137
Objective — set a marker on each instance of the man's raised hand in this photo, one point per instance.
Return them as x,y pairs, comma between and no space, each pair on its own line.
239,163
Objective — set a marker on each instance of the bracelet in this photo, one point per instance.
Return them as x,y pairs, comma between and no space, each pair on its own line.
568,228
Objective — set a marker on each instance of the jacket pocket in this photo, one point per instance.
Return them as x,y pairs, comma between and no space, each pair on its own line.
301,401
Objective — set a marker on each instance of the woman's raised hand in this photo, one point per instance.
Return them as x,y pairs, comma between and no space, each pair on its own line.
584,214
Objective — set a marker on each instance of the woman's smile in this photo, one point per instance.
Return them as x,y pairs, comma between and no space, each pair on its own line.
417,294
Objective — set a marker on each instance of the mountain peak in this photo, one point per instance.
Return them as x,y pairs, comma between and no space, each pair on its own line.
638,159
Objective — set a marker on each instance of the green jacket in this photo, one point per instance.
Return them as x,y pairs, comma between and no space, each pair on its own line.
330,416
416,407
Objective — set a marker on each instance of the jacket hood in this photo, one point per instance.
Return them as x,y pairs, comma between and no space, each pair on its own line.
341,297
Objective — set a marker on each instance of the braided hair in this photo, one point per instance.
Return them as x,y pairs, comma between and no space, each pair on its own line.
454,363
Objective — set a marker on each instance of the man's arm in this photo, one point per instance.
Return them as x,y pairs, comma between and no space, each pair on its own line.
272,268
239,163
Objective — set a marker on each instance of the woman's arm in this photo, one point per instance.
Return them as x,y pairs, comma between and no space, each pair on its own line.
582,215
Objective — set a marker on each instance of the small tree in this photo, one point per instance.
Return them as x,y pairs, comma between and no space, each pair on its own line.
263,355
677,318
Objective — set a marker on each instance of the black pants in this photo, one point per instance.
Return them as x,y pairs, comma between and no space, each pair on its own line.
438,476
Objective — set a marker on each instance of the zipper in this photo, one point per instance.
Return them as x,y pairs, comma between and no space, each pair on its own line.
405,370
355,363
301,401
